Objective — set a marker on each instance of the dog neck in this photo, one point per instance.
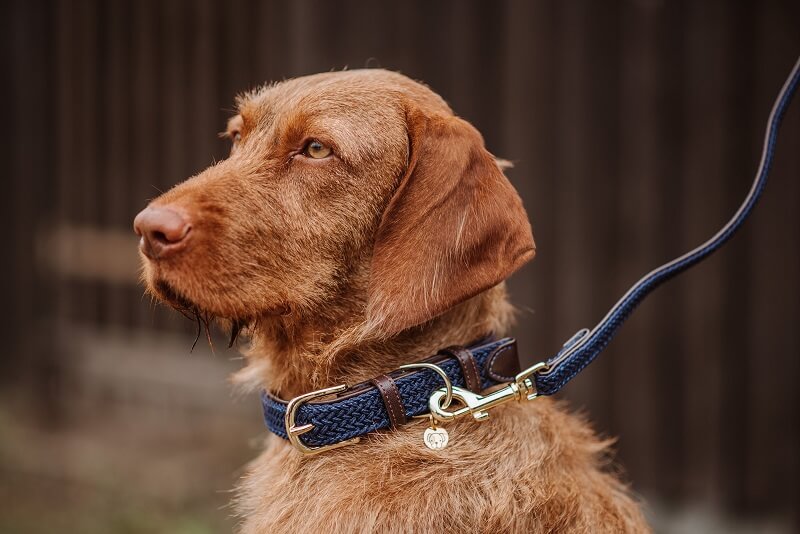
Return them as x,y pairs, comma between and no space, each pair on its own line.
290,356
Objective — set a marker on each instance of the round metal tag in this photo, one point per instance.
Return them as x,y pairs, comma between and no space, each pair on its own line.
435,438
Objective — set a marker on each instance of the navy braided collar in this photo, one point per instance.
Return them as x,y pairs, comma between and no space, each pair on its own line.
363,408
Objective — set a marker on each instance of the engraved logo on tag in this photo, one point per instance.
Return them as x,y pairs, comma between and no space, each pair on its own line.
435,438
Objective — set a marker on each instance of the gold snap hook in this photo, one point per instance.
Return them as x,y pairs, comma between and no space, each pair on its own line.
523,388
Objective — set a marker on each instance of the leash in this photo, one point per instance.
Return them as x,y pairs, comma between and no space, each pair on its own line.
388,401
585,345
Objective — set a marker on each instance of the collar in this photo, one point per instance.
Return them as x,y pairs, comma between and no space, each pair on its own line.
387,401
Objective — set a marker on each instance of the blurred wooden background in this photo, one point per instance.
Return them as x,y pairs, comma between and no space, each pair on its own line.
635,128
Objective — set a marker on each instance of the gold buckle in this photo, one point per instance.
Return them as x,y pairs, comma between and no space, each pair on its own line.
294,432
523,387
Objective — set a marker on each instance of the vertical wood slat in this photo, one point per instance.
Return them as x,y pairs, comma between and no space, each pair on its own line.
205,114
430,37
530,144
116,42
29,201
28,186
300,38
671,386
175,88
359,20
91,142
569,252
65,139
601,183
82,129
237,54
271,44
145,121
773,405
98,40
740,153
475,53
15,221
704,210
636,225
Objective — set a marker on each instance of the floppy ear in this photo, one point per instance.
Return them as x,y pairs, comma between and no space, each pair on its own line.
454,227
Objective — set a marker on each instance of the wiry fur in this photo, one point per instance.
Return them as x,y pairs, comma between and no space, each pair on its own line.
345,268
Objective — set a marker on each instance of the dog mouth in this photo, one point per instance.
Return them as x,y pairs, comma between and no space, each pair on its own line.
192,311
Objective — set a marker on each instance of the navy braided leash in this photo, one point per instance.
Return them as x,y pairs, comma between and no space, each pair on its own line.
584,347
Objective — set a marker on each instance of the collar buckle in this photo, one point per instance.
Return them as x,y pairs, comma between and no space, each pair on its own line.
294,432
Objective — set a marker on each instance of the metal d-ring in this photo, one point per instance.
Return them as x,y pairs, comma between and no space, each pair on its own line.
439,371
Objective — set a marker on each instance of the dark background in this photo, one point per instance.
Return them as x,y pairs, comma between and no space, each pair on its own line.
635,128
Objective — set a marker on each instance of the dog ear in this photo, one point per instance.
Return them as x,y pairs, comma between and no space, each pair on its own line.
454,227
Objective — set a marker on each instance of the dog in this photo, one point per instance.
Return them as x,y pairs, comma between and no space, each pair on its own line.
359,225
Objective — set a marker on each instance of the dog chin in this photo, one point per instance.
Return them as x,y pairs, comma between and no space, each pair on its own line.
228,315
170,295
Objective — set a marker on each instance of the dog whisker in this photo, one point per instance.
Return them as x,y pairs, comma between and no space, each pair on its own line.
206,317
236,328
199,331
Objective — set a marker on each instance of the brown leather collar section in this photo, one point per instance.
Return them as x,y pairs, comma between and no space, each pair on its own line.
391,399
503,365
469,367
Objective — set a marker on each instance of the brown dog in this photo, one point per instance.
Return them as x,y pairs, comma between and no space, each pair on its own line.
359,225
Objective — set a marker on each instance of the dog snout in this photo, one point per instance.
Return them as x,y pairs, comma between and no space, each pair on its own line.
163,230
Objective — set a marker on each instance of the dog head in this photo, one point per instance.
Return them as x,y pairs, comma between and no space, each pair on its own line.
356,188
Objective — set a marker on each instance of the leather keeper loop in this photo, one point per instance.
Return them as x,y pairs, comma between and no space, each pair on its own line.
503,364
391,399
469,367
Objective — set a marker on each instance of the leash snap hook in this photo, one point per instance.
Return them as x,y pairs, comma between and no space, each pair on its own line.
477,405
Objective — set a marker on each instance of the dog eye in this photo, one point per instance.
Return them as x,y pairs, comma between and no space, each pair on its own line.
236,137
316,150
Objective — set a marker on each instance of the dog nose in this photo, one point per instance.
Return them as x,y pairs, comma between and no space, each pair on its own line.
163,231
